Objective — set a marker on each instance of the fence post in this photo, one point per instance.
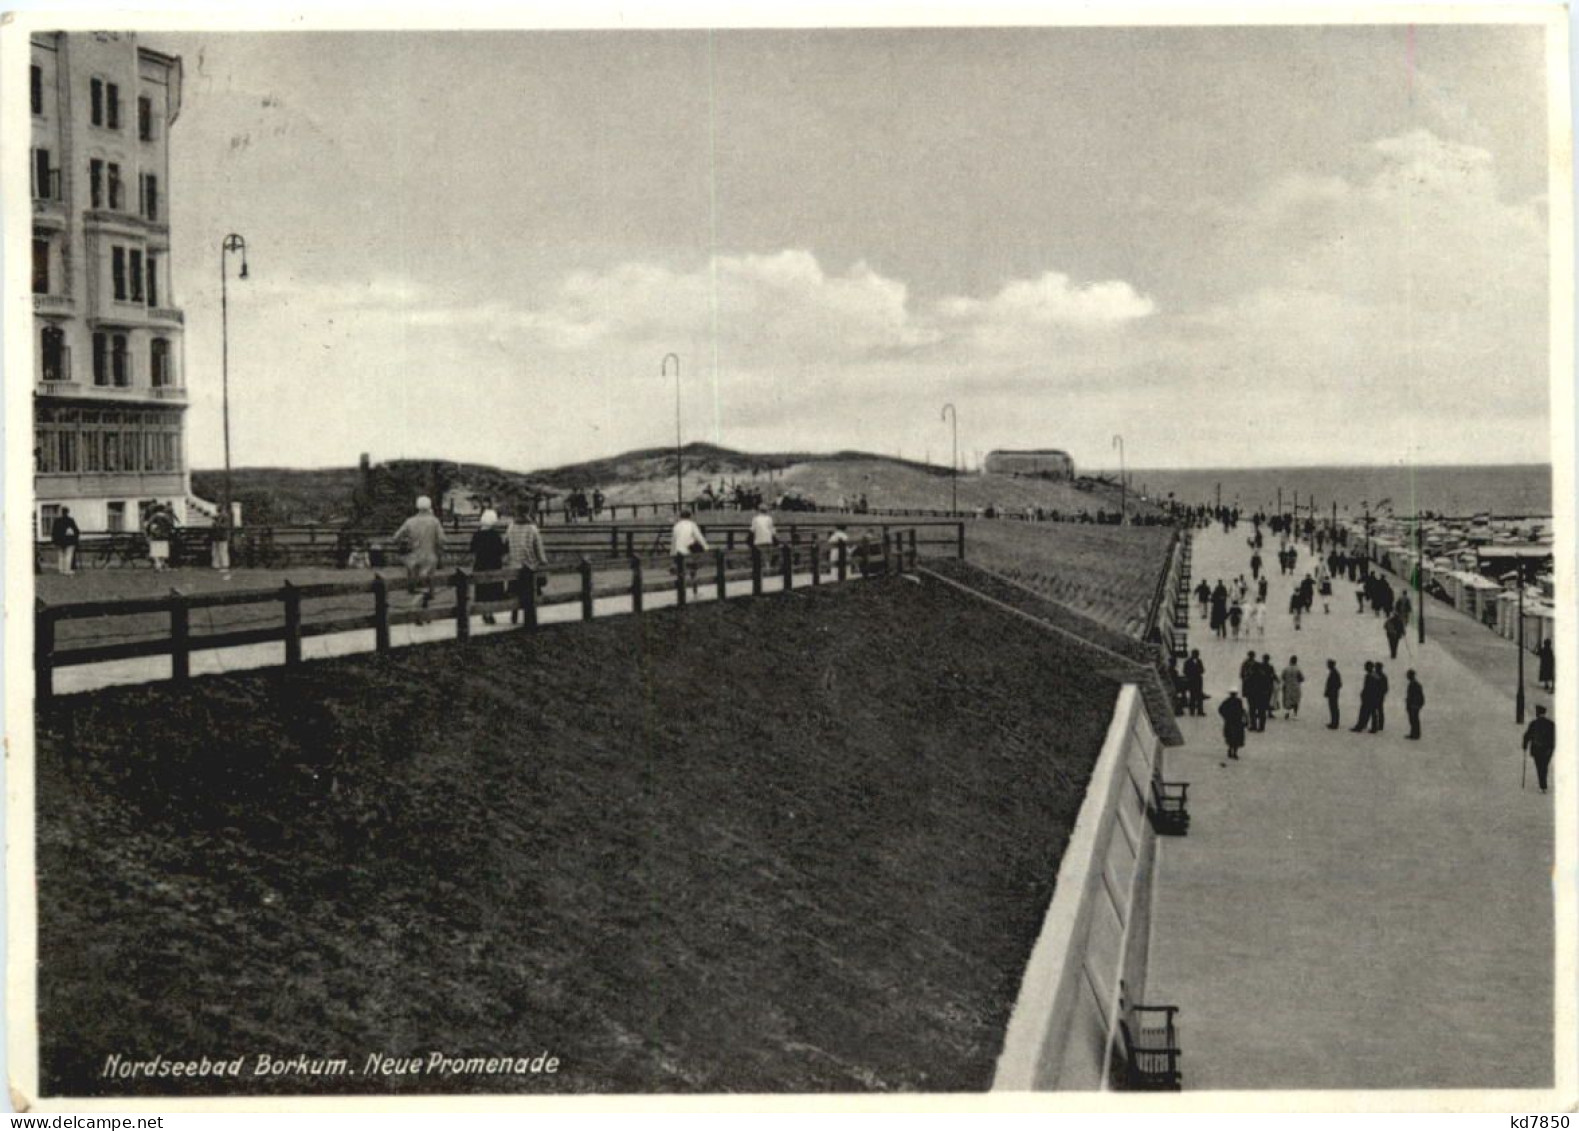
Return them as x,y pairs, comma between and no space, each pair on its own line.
614,542
721,571
787,564
528,596
43,652
586,589
816,562
180,650
729,539
887,565
912,549
679,580
756,571
293,623
959,543
380,614
630,543
463,605
636,590
844,560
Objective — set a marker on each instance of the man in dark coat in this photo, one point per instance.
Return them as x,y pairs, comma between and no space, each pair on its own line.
1414,699
1548,671
1367,700
1246,678
1255,566
1393,626
1194,683
1232,711
1334,686
1540,739
1379,716
64,536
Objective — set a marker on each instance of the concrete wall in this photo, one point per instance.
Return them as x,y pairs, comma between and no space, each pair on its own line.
1096,926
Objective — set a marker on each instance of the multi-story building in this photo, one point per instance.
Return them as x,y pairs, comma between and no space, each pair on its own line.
1046,462
109,403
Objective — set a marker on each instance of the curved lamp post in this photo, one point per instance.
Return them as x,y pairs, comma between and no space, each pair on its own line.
1123,509
679,482
951,414
231,244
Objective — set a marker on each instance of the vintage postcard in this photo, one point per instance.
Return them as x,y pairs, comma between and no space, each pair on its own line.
998,559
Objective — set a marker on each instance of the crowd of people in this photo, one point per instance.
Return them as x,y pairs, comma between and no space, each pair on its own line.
1264,690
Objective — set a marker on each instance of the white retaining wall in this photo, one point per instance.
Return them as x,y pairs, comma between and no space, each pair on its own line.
1096,926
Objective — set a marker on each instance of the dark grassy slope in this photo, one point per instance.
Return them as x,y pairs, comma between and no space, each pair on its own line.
799,843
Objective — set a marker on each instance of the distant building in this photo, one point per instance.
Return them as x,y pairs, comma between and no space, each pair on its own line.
1047,462
109,394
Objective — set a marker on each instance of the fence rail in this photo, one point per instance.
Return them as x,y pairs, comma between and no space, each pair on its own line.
284,546
515,591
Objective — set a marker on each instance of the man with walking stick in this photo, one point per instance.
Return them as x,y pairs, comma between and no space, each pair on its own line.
1540,739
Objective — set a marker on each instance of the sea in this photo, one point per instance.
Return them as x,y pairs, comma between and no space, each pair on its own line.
1515,490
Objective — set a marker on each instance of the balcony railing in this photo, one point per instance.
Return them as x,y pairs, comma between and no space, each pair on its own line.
52,302
169,392
167,314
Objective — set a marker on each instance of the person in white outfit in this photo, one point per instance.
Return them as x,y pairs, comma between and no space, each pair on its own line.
763,535
1258,617
686,542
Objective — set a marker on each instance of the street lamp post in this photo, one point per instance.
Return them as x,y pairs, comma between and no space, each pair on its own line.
231,244
679,481
1518,699
1123,503
1420,575
951,414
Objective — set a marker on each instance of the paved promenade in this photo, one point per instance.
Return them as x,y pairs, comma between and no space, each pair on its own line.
1356,910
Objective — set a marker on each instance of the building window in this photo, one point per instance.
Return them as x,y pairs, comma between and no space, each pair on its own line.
120,361
112,451
115,187
150,196
101,366
37,89
135,275
153,281
96,182
40,267
47,512
159,363
46,180
115,516
112,106
96,97
145,119
118,272
52,352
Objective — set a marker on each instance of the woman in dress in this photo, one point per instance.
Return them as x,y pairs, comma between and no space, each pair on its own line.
1232,711
488,552
1291,680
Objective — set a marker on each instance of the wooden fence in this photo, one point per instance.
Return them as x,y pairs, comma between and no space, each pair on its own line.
279,547
898,549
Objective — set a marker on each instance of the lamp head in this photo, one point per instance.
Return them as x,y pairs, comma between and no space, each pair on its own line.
243,274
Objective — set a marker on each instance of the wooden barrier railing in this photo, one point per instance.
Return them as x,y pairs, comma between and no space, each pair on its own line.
897,550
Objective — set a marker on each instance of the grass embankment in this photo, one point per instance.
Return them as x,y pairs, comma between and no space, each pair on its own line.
799,843
1108,572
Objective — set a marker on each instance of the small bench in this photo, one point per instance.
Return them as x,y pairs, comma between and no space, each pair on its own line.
1170,807
1148,1056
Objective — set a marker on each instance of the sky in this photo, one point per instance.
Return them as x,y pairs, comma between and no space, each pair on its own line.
1231,246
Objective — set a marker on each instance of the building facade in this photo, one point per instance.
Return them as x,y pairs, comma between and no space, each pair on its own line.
109,402
1047,462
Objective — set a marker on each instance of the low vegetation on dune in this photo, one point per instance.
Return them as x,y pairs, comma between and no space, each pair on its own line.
799,843
1108,572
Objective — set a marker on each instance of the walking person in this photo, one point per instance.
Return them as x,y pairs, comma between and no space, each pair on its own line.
1291,680
1379,717
1296,608
422,537
1203,596
1258,616
1393,626
1331,691
64,536
488,551
1324,583
1367,701
159,529
762,534
1219,620
1404,606
1414,700
219,543
1195,683
686,543
1540,739
1232,711
524,544
1548,665
1255,566
1236,616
